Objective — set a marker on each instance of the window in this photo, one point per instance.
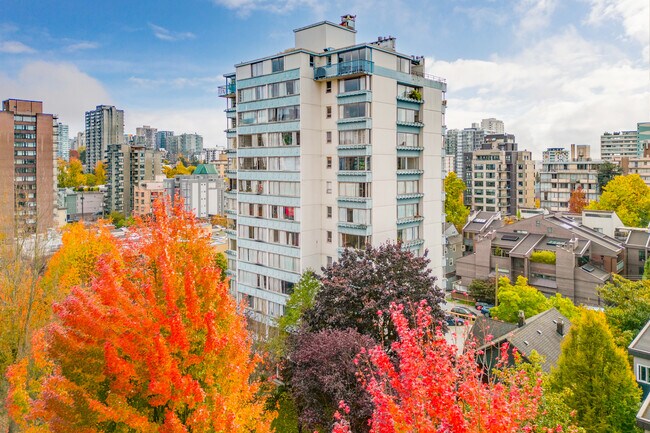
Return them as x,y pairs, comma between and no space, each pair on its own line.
354,84
256,69
311,61
329,162
355,109
406,115
284,114
328,112
328,87
406,139
355,136
407,91
277,65
643,373
328,136
642,255
408,210
359,54
328,187
329,260
408,187
354,163
408,234
329,211
329,237
408,163
403,65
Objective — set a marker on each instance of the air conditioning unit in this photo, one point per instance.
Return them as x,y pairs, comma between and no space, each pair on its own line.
320,73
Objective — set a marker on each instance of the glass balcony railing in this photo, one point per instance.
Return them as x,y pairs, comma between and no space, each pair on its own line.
353,67
228,89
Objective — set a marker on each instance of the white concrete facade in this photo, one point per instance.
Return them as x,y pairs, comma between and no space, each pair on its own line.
330,149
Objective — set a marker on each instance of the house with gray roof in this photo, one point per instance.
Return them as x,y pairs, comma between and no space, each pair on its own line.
639,348
542,334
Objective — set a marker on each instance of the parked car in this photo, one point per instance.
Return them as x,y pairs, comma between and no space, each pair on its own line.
454,320
484,307
463,311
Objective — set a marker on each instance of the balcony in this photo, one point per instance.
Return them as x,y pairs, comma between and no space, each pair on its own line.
344,69
228,90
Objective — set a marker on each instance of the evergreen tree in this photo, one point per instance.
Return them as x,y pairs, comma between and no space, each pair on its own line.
596,377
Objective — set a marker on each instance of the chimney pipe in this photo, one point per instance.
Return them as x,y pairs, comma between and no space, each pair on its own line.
521,319
560,327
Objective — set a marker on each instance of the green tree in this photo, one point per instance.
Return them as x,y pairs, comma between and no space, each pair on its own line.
221,262
606,172
629,197
565,306
646,270
456,212
518,297
627,307
117,218
483,290
596,377
301,300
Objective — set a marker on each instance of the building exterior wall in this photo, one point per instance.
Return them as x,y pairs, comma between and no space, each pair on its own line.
203,195
559,179
63,142
340,184
144,195
28,155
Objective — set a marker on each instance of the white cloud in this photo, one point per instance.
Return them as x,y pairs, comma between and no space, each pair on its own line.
167,35
562,90
179,82
63,88
82,45
535,14
15,47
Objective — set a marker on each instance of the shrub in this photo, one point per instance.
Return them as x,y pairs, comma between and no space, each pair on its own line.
547,257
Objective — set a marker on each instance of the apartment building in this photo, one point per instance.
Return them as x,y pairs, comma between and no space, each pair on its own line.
616,145
499,177
331,144
104,126
559,179
555,154
62,141
458,142
202,191
146,136
188,145
145,193
27,166
126,167
492,126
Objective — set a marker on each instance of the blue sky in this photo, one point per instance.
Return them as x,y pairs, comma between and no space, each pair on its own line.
556,71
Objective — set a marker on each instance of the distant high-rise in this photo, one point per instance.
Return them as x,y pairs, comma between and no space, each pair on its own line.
616,145
188,145
642,137
63,142
146,136
27,174
162,138
126,166
104,126
555,154
78,141
492,126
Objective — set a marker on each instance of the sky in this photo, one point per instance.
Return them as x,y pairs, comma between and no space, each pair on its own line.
555,71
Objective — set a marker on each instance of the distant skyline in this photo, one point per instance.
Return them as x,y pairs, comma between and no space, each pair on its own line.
556,72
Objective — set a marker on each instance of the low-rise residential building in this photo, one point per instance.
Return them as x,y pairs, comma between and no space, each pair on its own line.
202,191
479,223
145,194
581,259
453,251
87,205
639,349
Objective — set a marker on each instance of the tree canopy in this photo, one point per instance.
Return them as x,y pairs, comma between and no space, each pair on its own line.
178,169
421,383
523,297
596,377
627,307
606,172
365,282
578,200
71,174
153,343
456,212
483,289
629,197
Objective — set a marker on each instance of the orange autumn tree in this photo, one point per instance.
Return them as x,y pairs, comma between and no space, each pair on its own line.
578,200
423,385
153,344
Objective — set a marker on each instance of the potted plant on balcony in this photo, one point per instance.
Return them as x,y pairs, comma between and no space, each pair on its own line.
415,94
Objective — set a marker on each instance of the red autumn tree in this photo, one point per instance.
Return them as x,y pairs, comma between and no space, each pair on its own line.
578,200
153,344
423,385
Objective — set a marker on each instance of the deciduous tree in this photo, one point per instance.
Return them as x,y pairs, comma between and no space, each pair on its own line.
627,307
629,197
606,172
483,289
321,372
364,282
422,384
518,297
578,200
100,173
596,377
456,212
153,344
